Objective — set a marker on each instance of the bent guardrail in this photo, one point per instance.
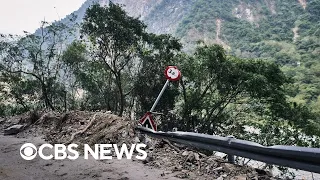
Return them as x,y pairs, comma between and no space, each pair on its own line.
290,156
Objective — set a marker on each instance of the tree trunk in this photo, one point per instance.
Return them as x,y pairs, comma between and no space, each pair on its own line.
119,84
45,96
65,101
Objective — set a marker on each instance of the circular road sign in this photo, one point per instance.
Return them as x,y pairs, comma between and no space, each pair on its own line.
172,73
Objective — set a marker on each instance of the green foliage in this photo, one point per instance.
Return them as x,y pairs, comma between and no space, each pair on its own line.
74,55
116,38
90,76
160,52
212,81
119,67
269,35
32,68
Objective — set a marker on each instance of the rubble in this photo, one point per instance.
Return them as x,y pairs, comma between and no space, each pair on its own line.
83,127
192,164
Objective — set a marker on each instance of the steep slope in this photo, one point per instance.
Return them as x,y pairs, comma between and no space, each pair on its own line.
284,31
235,22
287,32
161,16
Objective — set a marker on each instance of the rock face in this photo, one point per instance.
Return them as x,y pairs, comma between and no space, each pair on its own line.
303,3
175,17
161,16
166,17
12,130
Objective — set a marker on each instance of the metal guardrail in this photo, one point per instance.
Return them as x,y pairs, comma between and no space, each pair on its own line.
302,158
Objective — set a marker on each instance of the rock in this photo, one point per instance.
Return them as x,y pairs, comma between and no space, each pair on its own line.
239,177
185,153
255,178
15,129
108,112
157,164
196,157
222,177
177,168
148,159
228,167
182,175
136,140
151,148
217,169
263,172
147,140
190,157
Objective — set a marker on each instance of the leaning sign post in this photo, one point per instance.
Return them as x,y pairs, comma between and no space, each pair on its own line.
172,73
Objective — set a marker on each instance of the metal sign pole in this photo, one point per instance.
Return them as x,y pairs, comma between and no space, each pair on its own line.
159,96
172,74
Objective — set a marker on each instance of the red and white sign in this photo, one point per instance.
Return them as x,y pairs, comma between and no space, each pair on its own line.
172,73
148,122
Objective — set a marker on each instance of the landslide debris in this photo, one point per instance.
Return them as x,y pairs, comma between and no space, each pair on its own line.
84,127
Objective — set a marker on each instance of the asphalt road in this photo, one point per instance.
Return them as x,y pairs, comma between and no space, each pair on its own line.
13,167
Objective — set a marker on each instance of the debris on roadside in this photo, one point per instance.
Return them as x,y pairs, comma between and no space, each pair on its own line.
192,164
84,127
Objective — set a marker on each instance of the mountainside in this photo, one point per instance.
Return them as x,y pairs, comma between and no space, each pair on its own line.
246,27
287,32
284,31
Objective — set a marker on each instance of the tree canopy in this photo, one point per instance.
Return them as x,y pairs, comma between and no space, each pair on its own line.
118,66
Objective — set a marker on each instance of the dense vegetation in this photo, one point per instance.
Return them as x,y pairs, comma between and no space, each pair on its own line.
117,65
268,35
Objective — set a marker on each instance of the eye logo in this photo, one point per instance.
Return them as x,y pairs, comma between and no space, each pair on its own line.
28,151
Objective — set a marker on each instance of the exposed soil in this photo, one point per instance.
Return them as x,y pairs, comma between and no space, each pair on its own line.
295,33
303,3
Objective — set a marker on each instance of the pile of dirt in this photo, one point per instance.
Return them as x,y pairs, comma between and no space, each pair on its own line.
83,127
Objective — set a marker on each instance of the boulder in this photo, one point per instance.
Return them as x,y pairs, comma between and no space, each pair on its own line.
228,167
12,130
196,157
185,153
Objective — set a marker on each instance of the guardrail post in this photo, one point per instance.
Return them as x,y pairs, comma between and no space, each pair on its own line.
230,156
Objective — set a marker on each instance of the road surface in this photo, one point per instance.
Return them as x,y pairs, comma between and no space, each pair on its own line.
13,167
